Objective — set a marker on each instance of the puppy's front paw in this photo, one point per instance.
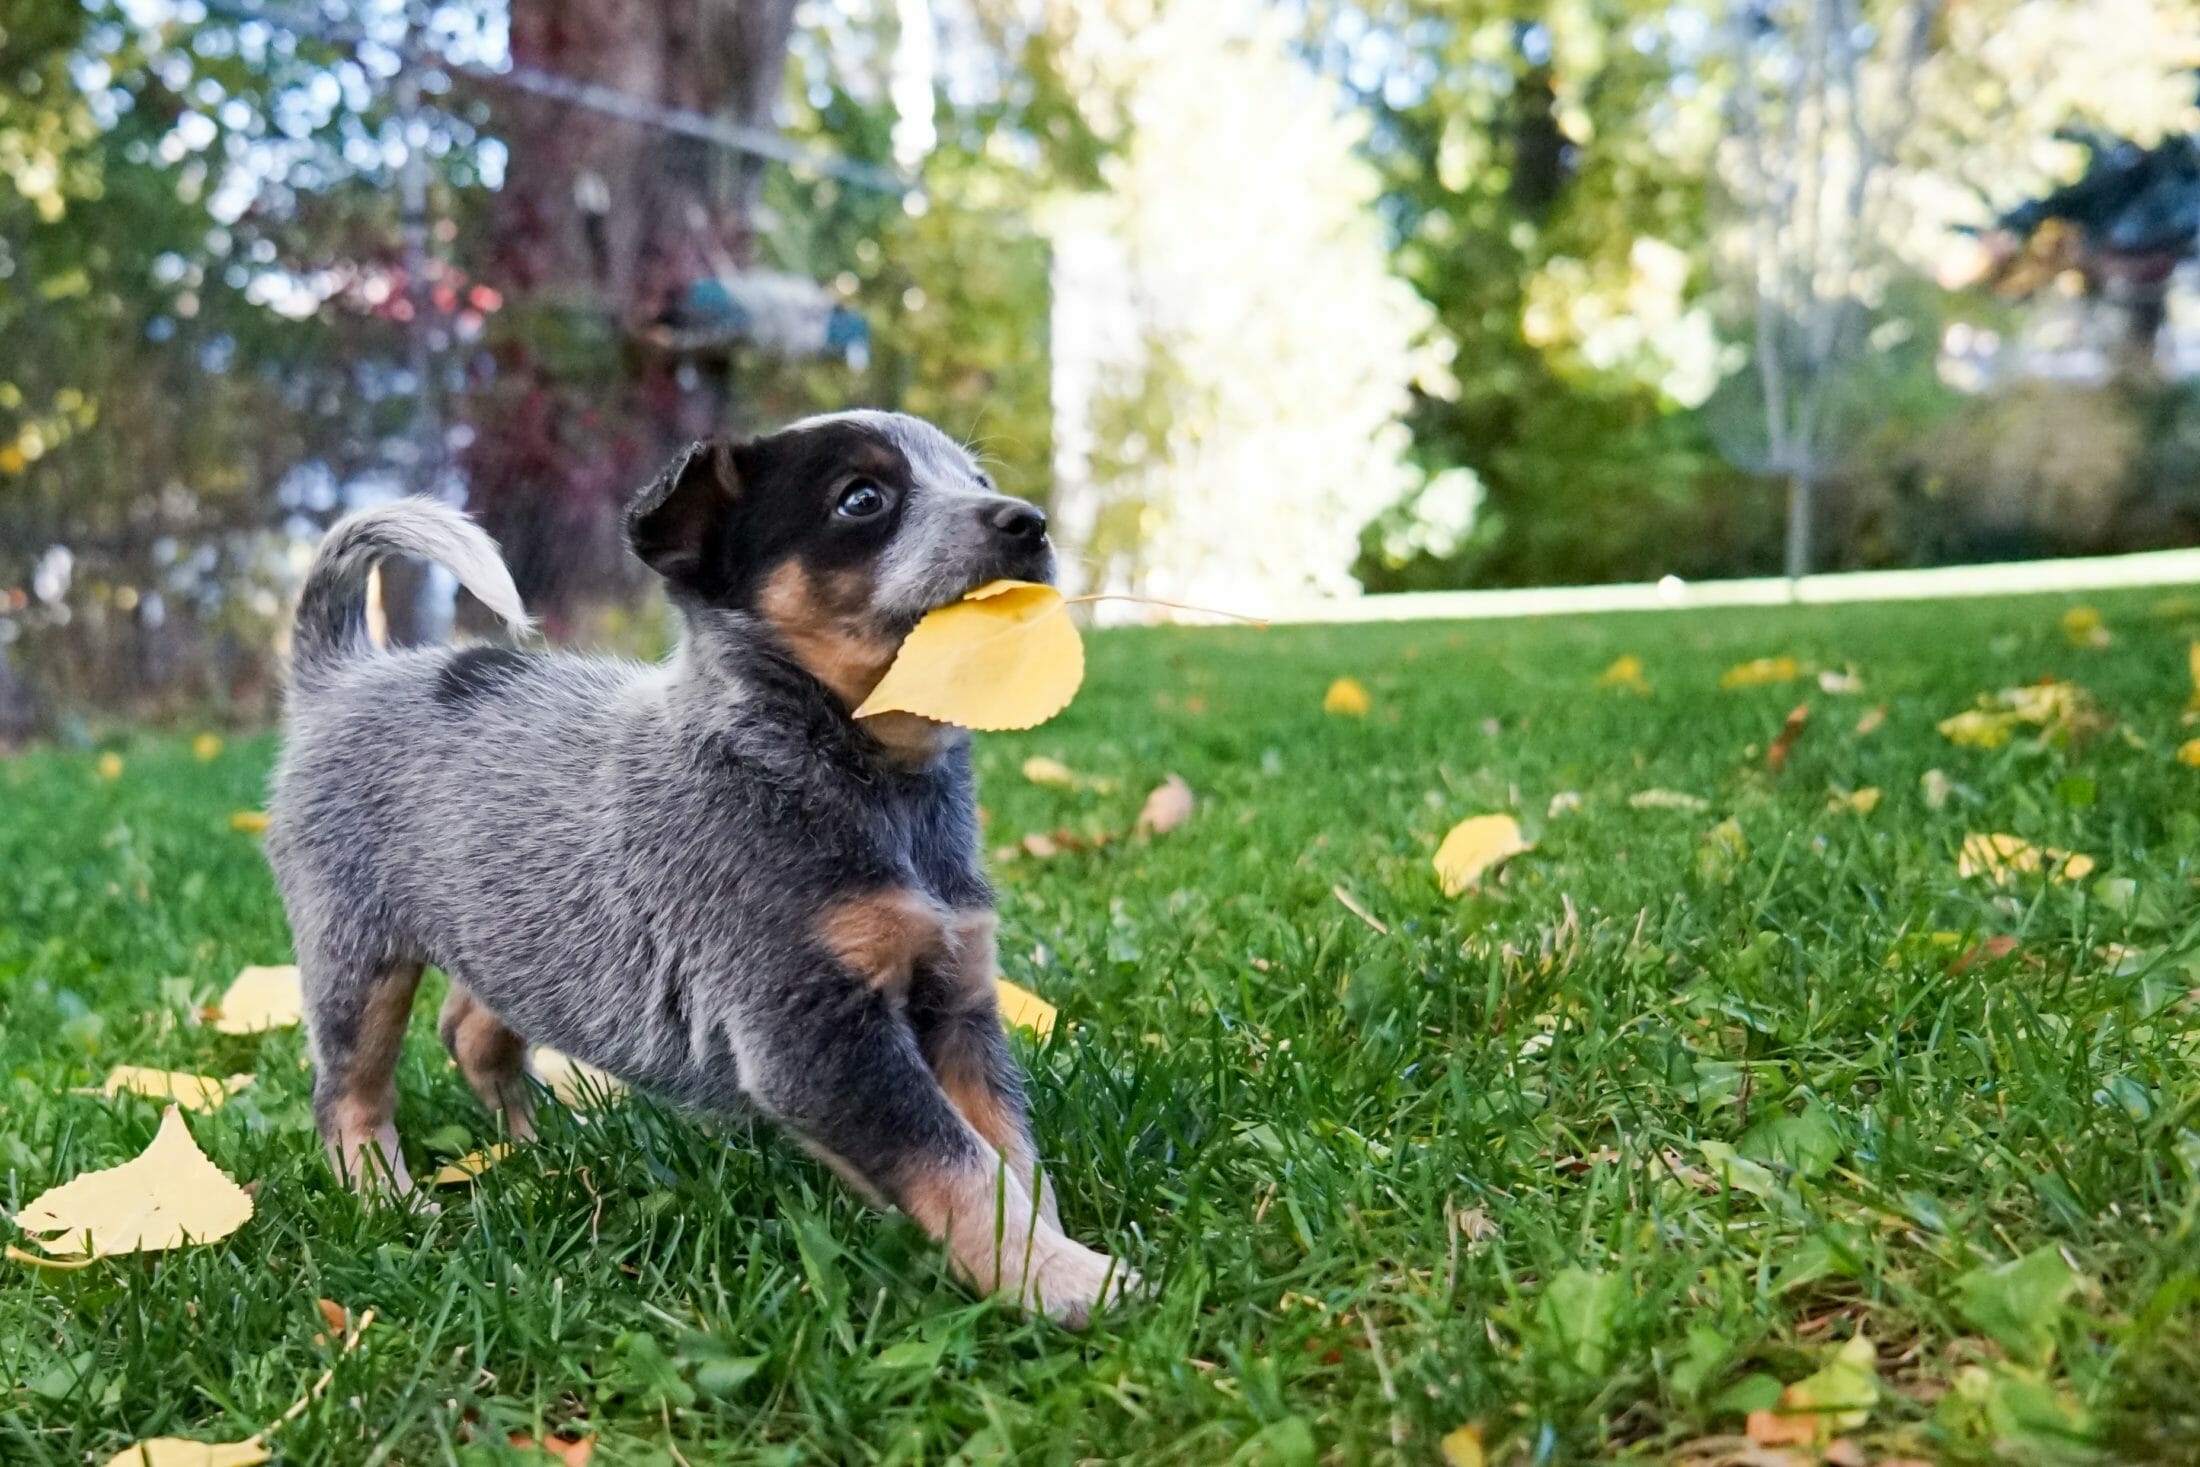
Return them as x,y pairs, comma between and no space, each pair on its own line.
1069,1282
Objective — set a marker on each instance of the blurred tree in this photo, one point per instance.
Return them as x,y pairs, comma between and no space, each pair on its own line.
1545,175
600,226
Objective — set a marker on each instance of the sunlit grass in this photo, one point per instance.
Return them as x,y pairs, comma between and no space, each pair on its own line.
1387,1182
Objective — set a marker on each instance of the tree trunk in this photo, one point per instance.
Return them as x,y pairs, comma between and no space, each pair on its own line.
1802,505
601,222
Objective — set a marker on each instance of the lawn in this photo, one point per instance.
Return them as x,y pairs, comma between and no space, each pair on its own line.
1599,1157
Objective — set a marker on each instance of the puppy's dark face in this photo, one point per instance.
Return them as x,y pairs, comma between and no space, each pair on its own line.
839,533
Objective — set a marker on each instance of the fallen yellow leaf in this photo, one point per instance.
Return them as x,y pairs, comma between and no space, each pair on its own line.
251,822
1979,728
1862,801
170,1451
2082,627
1625,672
1999,857
1666,800
2188,753
1757,672
1169,806
2192,666
575,1084
167,1197
463,1171
261,999
1039,769
1006,656
1023,1008
1474,846
1872,721
1347,697
192,1092
110,766
207,747
1462,1446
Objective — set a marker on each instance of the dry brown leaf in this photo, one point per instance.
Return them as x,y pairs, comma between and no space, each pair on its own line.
573,1451
335,1316
1872,721
1776,757
1169,806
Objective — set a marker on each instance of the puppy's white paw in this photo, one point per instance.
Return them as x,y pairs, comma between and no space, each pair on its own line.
1069,1282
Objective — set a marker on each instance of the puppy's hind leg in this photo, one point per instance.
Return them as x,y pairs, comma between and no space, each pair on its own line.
355,1017
493,1058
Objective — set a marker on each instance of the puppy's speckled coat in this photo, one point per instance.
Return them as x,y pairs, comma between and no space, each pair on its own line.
705,876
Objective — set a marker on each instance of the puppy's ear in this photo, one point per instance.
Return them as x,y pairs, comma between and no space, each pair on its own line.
672,523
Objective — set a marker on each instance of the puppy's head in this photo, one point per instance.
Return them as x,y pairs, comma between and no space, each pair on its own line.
838,533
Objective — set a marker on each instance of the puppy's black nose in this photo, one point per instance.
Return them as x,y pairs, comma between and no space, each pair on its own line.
1018,520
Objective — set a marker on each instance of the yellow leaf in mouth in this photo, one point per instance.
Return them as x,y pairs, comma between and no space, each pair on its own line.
1347,697
1473,847
170,1451
259,999
1023,1008
192,1092
1006,656
463,1171
169,1196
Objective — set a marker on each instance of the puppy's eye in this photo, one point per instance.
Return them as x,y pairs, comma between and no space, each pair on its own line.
861,501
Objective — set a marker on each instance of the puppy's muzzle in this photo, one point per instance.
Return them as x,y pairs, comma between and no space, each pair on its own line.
1016,535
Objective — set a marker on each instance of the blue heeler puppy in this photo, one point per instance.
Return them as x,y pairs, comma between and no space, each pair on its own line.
703,876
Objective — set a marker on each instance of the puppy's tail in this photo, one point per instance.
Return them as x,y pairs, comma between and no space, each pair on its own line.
332,606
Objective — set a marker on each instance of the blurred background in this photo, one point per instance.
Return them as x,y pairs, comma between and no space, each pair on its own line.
1264,299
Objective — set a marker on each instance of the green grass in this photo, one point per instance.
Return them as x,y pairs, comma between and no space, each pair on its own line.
1386,1183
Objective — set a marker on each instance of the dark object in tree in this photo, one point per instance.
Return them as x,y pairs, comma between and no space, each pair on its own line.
2125,225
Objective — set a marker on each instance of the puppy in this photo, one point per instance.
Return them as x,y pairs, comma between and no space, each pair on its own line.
704,877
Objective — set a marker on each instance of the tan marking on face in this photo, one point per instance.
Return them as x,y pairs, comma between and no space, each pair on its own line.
823,624
884,935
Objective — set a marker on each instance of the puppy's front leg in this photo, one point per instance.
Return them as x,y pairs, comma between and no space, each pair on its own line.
958,1022
838,1065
